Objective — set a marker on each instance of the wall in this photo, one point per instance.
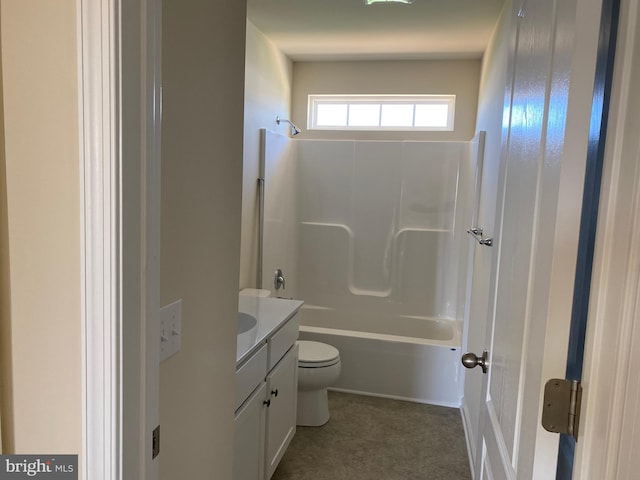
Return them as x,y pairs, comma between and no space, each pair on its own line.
5,291
280,240
42,377
267,95
139,381
459,77
490,106
203,78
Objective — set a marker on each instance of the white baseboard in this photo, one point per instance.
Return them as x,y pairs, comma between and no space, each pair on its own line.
396,397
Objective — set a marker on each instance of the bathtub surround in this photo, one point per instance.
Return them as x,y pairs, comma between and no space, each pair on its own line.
377,224
373,238
373,438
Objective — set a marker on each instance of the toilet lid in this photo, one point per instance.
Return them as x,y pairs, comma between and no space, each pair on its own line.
316,354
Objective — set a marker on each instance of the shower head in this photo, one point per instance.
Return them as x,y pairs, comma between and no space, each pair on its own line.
294,129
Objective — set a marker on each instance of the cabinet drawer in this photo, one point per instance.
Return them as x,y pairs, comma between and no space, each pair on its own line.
282,340
249,375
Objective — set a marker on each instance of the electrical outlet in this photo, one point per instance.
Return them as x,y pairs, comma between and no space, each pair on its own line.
170,329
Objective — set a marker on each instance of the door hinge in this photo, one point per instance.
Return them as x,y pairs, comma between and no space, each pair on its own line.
561,408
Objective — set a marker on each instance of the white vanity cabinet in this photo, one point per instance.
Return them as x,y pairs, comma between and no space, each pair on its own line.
266,400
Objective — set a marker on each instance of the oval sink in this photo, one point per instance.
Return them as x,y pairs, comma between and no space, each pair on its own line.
247,332
246,322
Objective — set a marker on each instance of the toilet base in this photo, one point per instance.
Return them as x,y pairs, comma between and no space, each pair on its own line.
313,408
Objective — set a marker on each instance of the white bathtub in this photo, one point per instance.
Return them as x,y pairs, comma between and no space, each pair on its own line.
420,361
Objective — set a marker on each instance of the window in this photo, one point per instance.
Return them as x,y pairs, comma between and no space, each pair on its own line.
381,112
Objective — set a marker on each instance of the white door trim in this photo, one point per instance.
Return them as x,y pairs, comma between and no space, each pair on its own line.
609,423
100,224
119,83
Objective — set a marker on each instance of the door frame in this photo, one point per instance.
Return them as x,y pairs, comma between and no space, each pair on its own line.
101,313
589,215
610,385
119,140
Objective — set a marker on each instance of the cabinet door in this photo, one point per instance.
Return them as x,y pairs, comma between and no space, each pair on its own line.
282,391
249,423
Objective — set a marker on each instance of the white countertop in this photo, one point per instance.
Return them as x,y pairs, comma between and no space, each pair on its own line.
271,314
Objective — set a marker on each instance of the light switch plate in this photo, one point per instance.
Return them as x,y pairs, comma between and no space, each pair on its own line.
170,329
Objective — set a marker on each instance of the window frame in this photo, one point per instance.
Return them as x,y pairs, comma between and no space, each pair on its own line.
323,99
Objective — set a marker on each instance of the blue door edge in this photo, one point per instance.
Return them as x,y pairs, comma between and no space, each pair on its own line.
589,217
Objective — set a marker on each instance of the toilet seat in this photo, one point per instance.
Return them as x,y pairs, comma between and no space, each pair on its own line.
316,354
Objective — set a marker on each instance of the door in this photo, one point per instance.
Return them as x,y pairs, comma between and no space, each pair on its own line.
516,223
552,65
282,388
249,426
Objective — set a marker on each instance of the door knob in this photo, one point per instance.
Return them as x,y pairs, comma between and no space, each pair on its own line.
471,360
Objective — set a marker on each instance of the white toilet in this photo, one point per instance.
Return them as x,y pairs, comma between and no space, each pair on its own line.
318,368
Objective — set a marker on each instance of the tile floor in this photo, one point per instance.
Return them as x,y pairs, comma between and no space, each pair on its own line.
370,438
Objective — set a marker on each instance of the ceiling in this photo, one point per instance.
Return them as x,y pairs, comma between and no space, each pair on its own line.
314,30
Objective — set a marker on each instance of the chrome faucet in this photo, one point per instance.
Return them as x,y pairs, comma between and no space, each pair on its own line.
278,280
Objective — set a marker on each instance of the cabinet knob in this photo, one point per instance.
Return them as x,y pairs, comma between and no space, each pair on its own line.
267,402
274,392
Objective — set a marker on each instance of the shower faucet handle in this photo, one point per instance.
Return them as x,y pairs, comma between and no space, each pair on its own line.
278,280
